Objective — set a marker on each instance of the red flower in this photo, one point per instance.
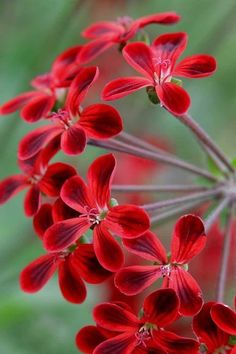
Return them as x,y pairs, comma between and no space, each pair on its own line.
94,204
39,177
73,125
212,337
107,34
188,240
224,317
50,87
134,335
158,64
73,268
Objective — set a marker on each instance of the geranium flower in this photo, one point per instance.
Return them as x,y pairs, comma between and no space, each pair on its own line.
140,335
94,203
158,65
188,240
49,88
72,124
212,337
39,177
106,34
74,267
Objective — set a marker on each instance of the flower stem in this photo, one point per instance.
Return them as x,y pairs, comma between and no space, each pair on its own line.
225,257
203,137
129,188
115,145
191,197
215,213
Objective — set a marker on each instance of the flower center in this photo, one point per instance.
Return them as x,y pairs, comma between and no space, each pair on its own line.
162,69
93,215
165,270
142,336
62,116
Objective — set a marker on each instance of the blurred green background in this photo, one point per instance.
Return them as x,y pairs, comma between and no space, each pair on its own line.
32,33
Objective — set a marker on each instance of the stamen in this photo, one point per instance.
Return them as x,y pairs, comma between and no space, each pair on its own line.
165,270
142,336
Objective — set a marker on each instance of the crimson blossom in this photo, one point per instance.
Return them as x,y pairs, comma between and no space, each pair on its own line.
49,88
136,335
158,64
72,124
188,240
106,34
98,212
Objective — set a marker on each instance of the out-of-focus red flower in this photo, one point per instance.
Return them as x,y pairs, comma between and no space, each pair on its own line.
49,88
39,177
72,124
106,34
93,201
188,240
158,65
137,335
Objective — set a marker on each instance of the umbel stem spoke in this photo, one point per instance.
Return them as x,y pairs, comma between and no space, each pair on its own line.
215,213
130,188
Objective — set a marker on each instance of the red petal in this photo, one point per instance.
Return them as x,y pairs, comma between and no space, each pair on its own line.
173,97
164,18
85,260
195,66
43,219
122,344
38,108
38,272
133,280
188,240
124,86
70,282
102,28
127,220
10,186
55,177
170,46
35,140
161,307
76,195
107,249
88,338
175,344
92,49
17,102
32,201
101,121
45,155
62,234
61,211
111,316
147,246
73,140
187,289
79,88
100,176
225,318
64,63
140,57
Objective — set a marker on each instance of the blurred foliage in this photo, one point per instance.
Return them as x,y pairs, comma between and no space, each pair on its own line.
32,33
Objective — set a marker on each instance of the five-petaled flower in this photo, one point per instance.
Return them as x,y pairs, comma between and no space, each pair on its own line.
131,334
107,34
188,240
158,64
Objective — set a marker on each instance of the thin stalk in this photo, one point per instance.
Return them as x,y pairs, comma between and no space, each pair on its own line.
215,213
115,145
195,196
130,188
225,257
203,137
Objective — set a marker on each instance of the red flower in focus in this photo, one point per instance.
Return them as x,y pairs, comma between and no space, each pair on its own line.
188,240
214,339
133,335
50,88
39,177
158,64
73,268
72,124
94,203
107,34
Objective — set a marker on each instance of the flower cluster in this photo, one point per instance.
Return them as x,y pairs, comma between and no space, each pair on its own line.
84,230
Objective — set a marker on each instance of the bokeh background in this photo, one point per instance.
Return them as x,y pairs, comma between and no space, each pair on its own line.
32,33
